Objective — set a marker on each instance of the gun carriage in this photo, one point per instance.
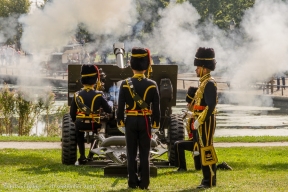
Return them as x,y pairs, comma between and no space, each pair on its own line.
109,144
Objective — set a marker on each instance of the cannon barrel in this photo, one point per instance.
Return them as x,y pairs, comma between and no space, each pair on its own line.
119,51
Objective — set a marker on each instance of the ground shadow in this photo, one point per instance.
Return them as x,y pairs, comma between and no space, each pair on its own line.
238,166
40,162
58,168
192,189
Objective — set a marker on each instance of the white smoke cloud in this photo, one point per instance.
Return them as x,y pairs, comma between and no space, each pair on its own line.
254,53
266,53
8,28
53,27
251,54
178,34
175,35
48,30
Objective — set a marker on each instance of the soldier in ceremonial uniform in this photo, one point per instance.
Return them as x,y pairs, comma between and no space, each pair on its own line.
137,96
86,107
190,144
203,109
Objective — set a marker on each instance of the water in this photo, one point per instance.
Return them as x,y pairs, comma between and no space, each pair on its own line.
233,120
38,129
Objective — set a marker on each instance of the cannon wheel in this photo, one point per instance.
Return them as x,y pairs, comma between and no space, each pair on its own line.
175,133
69,145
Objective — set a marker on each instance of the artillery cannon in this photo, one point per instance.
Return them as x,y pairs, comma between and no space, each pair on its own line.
109,144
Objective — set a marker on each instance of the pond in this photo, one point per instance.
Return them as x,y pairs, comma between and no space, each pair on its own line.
235,120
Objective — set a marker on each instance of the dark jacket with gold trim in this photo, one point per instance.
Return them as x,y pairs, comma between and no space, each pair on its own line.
92,99
189,99
206,98
147,89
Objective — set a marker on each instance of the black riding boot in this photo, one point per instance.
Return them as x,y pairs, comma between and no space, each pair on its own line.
90,155
82,159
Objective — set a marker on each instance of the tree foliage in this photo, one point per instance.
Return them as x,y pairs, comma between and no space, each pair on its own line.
148,12
20,111
222,11
14,7
10,10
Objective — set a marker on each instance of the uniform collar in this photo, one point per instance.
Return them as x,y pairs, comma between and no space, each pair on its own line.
139,76
88,87
206,76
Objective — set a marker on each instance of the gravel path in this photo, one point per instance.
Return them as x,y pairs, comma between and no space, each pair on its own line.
57,145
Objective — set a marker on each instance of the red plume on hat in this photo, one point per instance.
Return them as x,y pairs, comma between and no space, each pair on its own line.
205,57
140,59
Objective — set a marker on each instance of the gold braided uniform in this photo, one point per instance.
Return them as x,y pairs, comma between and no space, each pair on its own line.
203,109
190,144
138,124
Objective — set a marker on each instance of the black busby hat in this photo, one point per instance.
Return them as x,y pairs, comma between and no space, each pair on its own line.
205,57
89,74
140,59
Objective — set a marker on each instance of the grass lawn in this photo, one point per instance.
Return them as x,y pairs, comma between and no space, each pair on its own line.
254,169
29,139
250,139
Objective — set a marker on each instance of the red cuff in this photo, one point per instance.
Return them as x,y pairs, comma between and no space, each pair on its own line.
190,135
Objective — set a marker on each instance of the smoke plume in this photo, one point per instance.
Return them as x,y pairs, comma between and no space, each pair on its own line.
8,28
253,54
54,27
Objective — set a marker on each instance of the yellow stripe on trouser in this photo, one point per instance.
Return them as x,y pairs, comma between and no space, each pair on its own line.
207,137
196,147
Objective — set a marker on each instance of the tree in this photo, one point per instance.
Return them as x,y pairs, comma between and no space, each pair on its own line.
229,10
222,11
148,12
18,7
4,12
10,10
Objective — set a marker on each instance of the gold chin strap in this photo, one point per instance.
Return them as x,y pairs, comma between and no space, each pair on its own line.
149,71
98,85
201,72
150,68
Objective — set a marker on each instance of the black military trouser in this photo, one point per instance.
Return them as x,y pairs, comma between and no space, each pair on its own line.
80,135
137,138
180,160
208,129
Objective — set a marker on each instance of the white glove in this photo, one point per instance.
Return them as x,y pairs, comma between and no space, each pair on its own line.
196,153
110,103
153,130
121,129
196,124
189,114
